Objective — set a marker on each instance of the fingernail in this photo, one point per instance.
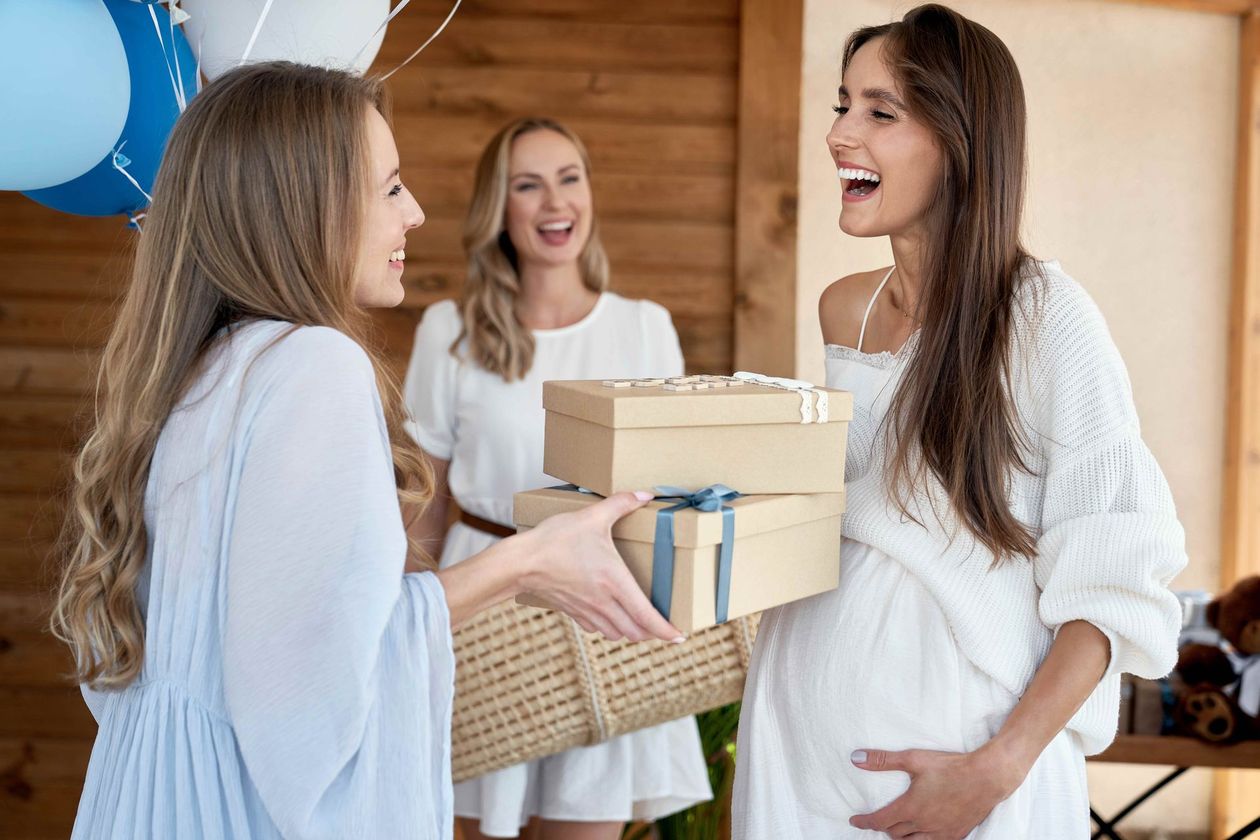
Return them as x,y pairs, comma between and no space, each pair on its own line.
678,640
858,757
644,495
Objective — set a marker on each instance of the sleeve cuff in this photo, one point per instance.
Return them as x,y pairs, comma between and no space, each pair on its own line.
1113,648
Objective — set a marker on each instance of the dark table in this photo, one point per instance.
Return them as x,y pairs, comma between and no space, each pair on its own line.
1180,753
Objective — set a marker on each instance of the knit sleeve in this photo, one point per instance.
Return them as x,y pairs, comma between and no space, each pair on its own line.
1110,542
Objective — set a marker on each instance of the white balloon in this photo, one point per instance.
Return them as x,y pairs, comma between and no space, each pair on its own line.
329,33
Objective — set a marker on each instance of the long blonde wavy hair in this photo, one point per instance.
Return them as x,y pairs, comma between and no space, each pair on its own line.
497,341
257,212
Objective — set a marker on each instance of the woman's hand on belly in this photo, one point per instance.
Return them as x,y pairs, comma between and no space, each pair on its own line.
950,793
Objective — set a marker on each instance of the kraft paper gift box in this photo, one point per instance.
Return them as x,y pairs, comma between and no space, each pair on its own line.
616,435
751,552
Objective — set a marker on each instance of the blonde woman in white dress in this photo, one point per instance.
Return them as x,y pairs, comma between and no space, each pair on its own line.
535,308
1009,539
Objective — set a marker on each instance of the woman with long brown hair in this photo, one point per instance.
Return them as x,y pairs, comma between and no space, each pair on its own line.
536,306
1009,539
258,658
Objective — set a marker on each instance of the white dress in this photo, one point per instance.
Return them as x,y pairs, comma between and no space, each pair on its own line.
296,683
491,431
875,665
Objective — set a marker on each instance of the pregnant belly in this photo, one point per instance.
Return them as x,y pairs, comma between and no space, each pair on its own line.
871,665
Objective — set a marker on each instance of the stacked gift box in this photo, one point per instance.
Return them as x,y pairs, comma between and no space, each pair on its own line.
749,474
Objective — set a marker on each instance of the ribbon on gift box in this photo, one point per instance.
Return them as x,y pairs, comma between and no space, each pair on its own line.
814,401
707,499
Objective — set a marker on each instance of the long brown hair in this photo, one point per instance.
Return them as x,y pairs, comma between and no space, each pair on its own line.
497,341
953,413
257,212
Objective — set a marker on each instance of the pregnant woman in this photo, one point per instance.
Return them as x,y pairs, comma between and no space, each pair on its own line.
1009,538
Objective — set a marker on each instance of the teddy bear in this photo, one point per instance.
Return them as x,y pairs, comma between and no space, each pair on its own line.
1220,701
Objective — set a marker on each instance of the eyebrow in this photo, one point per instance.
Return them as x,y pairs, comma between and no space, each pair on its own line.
877,93
391,176
565,168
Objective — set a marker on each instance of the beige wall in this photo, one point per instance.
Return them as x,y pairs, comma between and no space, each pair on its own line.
1131,127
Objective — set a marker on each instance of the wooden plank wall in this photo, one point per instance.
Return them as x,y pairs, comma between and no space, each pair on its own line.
651,86
766,188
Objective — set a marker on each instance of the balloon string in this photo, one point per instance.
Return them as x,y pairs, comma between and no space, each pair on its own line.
402,5
201,45
420,49
120,163
179,90
179,75
249,48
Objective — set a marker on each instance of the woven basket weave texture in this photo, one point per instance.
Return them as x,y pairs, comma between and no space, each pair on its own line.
531,683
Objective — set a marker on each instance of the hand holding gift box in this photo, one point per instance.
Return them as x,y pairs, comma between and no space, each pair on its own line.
712,557
712,554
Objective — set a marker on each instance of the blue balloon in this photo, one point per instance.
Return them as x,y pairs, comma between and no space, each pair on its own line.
64,90
160,59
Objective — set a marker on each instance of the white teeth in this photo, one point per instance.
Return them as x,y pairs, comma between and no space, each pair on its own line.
397,256
857,175
556,226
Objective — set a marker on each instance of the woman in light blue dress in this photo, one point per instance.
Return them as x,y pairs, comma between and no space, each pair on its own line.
264,654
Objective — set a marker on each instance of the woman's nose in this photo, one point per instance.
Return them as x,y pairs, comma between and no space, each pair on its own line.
840,136
415,215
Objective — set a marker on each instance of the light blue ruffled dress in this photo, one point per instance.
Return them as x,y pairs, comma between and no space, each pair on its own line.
296,683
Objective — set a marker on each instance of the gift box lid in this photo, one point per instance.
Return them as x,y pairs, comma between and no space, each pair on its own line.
652,406
692,528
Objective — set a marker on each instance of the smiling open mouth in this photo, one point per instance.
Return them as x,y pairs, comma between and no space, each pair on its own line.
556,233
858,183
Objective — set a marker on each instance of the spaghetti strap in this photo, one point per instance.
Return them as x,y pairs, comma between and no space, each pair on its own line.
871,305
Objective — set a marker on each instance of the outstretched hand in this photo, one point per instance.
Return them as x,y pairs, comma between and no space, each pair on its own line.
582,575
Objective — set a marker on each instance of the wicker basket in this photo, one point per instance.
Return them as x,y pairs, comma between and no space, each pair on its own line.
531,683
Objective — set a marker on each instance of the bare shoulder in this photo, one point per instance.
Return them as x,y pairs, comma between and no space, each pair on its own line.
843,303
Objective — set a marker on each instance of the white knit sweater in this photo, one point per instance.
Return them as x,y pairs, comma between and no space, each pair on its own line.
1108,539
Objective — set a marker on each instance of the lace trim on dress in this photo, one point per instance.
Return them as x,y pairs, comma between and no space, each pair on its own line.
883,360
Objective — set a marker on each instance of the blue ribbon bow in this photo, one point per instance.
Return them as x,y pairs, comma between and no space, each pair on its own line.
706,499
